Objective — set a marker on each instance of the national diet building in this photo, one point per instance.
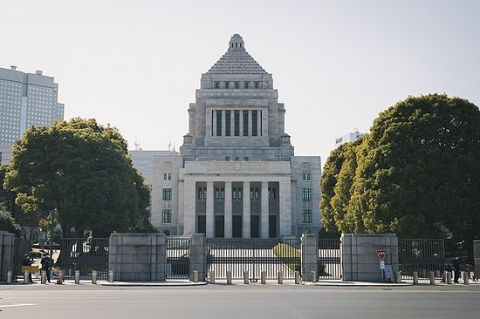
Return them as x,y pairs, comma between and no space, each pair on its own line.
236,175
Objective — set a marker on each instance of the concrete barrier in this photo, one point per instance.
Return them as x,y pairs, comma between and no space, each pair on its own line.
10,277
229,277
263,277
26,277
449,278
280,278
297,278
415,278
314,276
245,278
432,278
110,276
94,277
77,277
195,276
43,277
466,277
399,276
211,277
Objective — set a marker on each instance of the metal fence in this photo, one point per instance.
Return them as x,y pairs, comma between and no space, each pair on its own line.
422,256
84,254
178,257
330,266
253,255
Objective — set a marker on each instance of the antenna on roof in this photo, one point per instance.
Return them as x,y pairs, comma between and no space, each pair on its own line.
13,66
137,145
169,143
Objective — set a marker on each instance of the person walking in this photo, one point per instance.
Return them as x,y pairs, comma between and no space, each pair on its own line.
46,265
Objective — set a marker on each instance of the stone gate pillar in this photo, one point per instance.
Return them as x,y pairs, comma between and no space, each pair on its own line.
476,256
198,256
309,256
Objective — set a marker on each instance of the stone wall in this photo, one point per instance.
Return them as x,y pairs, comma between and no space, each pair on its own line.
7,252
476,256
137,257
359,258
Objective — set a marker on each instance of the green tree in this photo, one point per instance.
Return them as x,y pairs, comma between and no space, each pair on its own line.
81,172
8,224
419,170
327,184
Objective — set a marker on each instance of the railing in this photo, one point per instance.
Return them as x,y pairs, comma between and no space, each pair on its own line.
421,256
330,266
178,257
84,254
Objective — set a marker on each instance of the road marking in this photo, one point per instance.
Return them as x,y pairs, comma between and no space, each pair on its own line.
19,305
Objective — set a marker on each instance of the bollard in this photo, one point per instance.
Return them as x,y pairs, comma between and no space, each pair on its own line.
280,277
466,279
77,276
297,278
110,276
195,276
229,277
43,277
432,278
449,278
245,277
26,280
211,277
9,277
263,277
94,277
60,277
314,276
399,277
415,278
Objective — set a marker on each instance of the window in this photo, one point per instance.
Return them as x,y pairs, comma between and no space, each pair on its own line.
227,85
257,84
219,193
307,216
202,193
236,193
307,194
227,123
227,158
216,85
237,84
245,158
167,176
254,123
246,84
272,193
254,193
166,216
167,194
236,123
219,123
245,123
306,176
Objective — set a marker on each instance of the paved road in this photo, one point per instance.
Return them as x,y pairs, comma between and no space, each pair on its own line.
252,301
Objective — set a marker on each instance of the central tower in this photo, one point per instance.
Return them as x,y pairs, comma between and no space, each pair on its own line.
236,115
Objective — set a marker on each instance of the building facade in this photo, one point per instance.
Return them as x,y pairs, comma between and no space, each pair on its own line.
236,175
26,100
349,137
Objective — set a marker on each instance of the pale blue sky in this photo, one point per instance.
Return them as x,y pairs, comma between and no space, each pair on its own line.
337,64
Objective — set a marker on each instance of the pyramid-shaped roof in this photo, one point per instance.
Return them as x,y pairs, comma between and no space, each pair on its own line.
236,60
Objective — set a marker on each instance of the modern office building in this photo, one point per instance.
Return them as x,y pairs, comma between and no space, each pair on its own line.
236,174
26,99
349,137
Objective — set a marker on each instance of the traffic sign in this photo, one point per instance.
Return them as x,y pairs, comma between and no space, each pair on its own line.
381,253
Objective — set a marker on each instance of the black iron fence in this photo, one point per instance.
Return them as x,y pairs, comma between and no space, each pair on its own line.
84,254
330,266
253,255
178,257
421,256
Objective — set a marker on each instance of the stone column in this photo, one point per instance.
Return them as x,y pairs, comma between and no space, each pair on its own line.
259,123
309,256
285,193
232,122
198,258
209,211
189,212
240,131
228,210
246,210
264,213
223,122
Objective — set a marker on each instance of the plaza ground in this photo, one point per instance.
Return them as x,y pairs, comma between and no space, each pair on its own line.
239,301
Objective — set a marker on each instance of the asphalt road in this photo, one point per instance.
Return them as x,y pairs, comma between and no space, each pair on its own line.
252,301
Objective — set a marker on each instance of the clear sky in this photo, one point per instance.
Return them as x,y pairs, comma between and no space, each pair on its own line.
136,64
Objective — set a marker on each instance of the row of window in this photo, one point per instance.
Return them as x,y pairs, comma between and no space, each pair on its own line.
224,124
237,193
236,85
167,216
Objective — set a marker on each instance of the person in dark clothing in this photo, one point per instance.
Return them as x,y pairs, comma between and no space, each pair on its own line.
27,261
456,269
46,265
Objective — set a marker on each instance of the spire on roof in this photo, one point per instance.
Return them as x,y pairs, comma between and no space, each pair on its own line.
236,42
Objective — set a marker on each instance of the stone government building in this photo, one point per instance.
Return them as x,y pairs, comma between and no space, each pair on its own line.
236,174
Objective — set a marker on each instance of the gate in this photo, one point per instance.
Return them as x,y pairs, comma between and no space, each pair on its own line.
178,257
253,255
329,263
422,256
84,254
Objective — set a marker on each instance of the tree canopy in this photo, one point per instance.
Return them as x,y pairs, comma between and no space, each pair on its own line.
80,172
417,173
